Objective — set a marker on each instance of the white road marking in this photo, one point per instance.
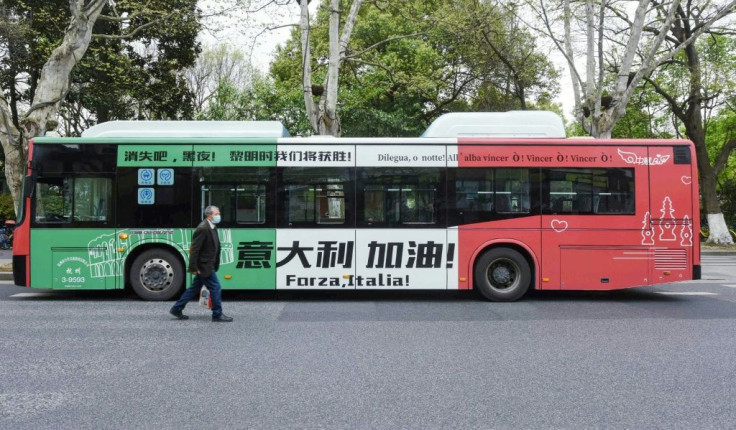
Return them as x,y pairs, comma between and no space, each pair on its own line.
21,295
729,285
686,293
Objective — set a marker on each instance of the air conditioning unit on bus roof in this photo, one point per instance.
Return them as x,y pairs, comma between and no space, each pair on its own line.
527,123
187,129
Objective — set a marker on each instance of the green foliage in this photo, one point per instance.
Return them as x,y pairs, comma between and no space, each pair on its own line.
721,131
7,210
138,76
409,61
262,101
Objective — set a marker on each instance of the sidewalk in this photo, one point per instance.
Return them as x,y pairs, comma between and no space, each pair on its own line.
6,269
714,250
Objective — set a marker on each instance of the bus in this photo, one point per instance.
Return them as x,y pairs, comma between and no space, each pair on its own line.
502,203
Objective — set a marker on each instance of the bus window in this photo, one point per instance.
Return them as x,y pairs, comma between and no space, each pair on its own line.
315,196
416,204
92,198
241,194
613,191
67,199
250,204
591,191
393,197
484,194
53,200
512,191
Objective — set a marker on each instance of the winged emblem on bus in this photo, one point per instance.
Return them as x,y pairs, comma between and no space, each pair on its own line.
631,158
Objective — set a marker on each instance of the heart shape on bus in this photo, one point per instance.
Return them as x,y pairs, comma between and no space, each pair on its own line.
687,180
558,225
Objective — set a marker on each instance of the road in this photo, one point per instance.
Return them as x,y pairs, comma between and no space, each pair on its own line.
658,357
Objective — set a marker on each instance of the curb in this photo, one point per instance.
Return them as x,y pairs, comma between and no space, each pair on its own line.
6,276
717,252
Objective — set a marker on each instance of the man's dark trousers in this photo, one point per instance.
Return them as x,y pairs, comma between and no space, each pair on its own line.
212,284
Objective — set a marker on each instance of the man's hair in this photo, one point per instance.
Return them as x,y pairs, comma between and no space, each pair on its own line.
209,209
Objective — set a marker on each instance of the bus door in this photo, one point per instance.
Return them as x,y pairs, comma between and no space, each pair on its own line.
402,239
591,225
670,231
72,217
240,181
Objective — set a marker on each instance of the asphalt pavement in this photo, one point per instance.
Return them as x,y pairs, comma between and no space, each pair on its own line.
654,357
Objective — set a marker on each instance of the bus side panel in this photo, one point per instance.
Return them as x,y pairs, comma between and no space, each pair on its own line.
74,259
672,234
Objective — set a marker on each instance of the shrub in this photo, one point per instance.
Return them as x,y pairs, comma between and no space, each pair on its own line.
7,209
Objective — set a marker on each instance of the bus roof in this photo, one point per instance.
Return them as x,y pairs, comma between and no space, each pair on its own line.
161,129
515,124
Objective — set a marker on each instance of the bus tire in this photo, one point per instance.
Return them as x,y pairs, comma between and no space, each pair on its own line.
502,275
157,274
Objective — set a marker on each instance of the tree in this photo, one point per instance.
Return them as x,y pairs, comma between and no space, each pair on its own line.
323,114
410,61
48,47
697,83
621,49
215,67
657,34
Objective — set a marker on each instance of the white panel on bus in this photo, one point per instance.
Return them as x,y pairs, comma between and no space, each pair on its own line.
452,156
404,156
453,277
404,259
315,155
315,259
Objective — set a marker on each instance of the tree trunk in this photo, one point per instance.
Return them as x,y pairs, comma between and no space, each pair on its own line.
323,115
692,118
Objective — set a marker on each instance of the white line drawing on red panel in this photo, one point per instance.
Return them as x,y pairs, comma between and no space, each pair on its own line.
647,231
558,225
632,158
667,221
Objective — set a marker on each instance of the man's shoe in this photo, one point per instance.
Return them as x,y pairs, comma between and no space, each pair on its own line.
178,314
222,318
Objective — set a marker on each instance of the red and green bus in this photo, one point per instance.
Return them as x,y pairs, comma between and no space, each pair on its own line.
497,202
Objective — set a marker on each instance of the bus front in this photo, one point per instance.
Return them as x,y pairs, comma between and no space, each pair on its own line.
22,232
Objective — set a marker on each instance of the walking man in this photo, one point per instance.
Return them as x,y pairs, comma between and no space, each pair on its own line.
204,260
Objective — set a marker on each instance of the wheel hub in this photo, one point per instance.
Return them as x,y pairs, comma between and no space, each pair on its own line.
502,275
156,275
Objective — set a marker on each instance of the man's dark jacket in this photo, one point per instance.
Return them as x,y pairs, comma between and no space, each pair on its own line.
204,254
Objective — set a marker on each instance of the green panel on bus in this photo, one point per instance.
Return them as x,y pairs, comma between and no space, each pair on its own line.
248,259
234,155
196,155
71,259
155,155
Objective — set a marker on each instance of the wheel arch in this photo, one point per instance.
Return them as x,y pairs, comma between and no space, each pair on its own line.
516,245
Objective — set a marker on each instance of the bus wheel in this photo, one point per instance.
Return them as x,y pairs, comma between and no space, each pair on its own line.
157,274
502,275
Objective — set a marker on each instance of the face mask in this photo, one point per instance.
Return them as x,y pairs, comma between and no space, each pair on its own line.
216,219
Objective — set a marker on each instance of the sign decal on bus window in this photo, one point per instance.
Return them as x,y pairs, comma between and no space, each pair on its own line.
165,177
146,196
145,177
